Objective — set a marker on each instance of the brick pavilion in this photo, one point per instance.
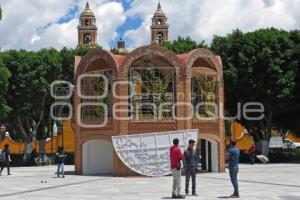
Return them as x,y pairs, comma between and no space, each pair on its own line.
150,89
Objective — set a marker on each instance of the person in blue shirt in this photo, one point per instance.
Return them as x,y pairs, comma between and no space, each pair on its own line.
233,165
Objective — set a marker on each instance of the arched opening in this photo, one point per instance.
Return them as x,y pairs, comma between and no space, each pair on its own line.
152,91
87,39
96,96
204,91
159,38
208,153
97,158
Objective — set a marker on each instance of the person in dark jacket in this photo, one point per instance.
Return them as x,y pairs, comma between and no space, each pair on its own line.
60,156
6,159
233,165
175,158
190,164
33,156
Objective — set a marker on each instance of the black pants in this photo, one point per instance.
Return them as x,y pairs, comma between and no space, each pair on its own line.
5,164
188,174
252,158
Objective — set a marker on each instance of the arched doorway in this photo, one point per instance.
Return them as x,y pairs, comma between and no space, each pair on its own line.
97,157
209,155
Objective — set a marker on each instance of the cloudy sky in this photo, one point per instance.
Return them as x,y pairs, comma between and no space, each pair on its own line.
35,24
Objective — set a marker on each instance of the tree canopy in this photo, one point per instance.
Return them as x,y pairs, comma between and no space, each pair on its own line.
25,78
183,45
0,13
260,66
4,76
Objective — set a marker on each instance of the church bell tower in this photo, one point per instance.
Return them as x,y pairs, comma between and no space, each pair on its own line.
87,29
159,27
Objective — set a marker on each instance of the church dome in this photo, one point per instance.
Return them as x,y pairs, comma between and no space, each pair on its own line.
159,12
87,12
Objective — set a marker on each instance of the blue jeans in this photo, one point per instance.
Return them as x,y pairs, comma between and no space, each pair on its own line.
60,168
233,176
188,174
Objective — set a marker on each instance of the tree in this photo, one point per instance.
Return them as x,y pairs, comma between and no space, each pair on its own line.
183,45
29,91
0,13
4,76
259,67
292,120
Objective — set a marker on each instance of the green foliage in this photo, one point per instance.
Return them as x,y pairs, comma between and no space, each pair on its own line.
259,66
81,50
0,13
183,45
4,76
293,121
117,52
29,91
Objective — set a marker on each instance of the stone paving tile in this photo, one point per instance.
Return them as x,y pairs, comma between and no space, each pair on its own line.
256,182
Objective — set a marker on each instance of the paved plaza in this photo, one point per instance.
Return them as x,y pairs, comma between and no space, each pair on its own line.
273,181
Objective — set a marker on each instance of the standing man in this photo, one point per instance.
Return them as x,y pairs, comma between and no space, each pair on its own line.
6,159
60,155
175,158
233,165
190,164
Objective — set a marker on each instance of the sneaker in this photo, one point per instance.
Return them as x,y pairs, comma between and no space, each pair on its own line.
8,174
180,197
234,196
194,194
63,176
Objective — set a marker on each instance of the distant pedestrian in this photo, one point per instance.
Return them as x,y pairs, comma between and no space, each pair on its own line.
1,159
190,164
60,156
175,158
33,156
6,159
233,165
252,154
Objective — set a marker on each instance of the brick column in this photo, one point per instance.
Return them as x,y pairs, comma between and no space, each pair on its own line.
120,126
221,115
78,150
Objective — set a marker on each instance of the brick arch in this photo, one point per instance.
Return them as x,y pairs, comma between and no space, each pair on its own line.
211,137
106,138
151,50
93,55
204,54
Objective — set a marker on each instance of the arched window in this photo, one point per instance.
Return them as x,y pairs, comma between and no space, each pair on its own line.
87,22
87,39
152,92
159,38
95,86
204,98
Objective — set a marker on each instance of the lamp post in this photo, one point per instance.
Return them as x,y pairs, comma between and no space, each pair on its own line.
54,133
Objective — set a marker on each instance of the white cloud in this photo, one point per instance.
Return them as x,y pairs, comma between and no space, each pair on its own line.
109,16
32,24
35,38
201,19
22,19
